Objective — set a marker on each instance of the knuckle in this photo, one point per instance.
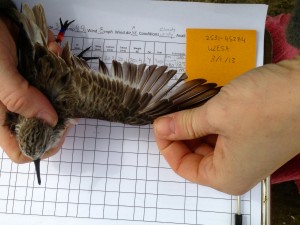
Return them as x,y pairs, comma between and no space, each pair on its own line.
217,112
16,100
189,124
14,103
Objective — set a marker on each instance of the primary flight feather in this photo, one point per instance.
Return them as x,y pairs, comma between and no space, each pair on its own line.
129,93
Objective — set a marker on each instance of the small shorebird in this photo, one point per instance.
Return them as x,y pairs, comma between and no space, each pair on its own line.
129,93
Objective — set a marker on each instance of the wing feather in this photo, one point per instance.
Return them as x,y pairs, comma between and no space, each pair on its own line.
134,94
153,78
116,70
103,68
146,76
40,20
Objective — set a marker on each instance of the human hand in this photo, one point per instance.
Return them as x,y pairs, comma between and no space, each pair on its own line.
16,95
241,135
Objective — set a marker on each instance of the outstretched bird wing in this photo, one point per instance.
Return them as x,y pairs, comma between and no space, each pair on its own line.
129,93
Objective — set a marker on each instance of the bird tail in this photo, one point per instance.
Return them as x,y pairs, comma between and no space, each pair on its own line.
35,24
31,21
33,29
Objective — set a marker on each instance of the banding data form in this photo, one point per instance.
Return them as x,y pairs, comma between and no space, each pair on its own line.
110,173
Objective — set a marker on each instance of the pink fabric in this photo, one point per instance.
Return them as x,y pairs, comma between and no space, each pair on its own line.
288,172
283,50
277,26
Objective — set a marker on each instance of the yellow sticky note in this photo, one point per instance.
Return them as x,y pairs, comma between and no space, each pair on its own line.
219,55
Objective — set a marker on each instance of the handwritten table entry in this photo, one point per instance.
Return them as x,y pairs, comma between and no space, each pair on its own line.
220,54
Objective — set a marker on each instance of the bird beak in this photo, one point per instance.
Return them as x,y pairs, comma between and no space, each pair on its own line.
37,169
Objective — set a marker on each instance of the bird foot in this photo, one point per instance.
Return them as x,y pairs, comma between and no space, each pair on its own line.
80,55
63,27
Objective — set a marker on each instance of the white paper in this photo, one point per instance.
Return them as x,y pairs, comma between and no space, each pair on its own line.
110,173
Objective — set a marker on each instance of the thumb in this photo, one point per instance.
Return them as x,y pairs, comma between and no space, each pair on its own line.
183,125
15,92
20,97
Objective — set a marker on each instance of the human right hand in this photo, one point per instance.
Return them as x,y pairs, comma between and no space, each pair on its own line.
241,135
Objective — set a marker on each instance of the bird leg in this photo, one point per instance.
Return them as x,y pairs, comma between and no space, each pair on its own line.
80,55
63,27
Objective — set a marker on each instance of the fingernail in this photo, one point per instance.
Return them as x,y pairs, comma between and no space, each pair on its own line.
164,126
48,118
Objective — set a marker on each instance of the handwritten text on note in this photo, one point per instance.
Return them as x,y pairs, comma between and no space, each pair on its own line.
219,55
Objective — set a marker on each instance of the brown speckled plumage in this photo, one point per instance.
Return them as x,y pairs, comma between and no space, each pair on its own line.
131,94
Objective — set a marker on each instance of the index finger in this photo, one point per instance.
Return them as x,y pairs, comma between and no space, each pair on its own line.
191,165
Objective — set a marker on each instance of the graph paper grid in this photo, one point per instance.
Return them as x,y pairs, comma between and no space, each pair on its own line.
114,171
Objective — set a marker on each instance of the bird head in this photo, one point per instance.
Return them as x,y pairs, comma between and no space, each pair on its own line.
35,137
